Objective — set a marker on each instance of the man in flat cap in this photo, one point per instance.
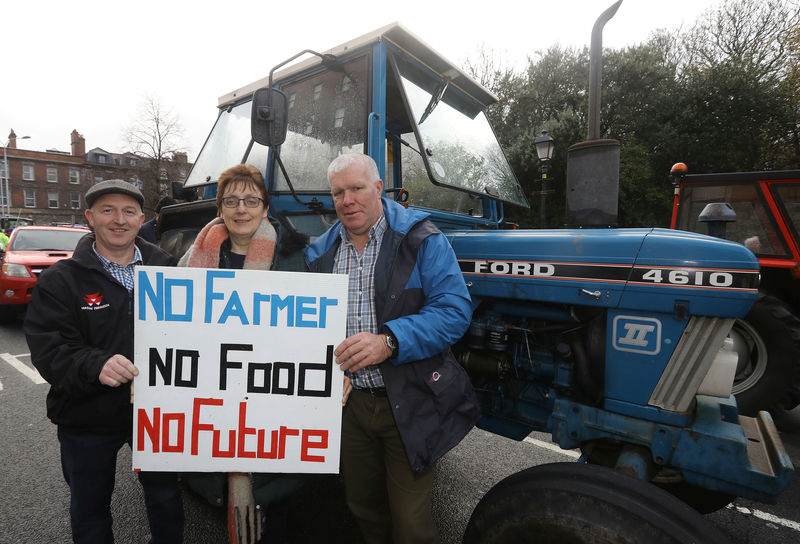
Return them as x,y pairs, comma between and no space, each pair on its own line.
79,327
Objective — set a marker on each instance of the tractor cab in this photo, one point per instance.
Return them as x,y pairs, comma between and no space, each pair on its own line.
389,95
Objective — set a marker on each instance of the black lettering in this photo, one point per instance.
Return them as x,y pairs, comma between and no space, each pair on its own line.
276,375
225,364
325,367
164,367
180,355
266,370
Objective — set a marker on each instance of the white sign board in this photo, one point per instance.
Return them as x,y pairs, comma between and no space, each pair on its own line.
236,370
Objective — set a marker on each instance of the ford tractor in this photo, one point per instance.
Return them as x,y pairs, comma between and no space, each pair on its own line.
615,342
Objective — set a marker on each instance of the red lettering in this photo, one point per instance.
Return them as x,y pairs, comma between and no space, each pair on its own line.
284,433
143,424
231,451
196,425
181,419
307,443
271,454
244,431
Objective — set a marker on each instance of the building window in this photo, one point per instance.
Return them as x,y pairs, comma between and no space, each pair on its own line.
27,172
52,199
3,200
133,162
75,200
317,91
345,83
52,175
101,159
3,173
338,117
98,179
30,198
137,182
292,96
74,175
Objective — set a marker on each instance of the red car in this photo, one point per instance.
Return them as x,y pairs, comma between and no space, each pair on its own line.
30,250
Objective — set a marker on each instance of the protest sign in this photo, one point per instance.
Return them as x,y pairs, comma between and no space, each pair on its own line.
236,370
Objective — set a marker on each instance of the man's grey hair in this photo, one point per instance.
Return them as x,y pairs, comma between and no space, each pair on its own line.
347,160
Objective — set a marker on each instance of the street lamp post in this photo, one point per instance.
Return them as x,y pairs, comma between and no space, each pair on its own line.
5,186
544,145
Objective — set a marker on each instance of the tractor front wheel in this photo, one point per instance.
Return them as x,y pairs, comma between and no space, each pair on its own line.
577,503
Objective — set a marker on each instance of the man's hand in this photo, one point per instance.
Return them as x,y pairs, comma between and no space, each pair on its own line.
361,350
117,370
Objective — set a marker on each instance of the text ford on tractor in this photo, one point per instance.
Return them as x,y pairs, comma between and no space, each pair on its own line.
613,341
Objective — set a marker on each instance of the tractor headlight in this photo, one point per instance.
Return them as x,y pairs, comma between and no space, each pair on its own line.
719,380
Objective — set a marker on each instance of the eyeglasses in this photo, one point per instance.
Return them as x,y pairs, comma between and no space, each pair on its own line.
249,201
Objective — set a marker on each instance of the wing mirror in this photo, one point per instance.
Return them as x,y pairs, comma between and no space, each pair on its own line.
268,119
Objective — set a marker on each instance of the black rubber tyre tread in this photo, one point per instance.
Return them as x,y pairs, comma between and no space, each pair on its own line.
779,388
579,503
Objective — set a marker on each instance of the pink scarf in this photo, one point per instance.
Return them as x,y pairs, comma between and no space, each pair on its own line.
204,252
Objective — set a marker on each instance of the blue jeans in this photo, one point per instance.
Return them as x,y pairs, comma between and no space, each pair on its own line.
89,463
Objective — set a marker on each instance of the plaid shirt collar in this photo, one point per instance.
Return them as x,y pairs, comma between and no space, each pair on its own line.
122,273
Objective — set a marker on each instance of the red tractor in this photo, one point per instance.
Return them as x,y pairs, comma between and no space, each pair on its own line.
760,210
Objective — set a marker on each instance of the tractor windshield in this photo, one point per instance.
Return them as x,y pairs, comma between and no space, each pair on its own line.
460,149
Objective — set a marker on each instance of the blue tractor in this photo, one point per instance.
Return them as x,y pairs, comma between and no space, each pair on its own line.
614,341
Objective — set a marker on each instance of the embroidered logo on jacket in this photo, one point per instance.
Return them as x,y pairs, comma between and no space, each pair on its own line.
94,301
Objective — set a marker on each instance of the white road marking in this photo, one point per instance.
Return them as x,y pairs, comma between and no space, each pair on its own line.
552,447
27,371
766,516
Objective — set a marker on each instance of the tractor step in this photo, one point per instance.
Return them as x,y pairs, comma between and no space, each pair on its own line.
765,450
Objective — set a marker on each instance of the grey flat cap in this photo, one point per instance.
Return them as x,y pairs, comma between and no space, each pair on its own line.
113,186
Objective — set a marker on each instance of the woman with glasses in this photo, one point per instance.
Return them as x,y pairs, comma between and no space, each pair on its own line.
243,237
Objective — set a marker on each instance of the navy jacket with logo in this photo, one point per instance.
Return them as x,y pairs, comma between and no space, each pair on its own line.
78,317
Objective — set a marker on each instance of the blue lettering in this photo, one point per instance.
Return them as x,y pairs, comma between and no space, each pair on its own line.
324,302
156,296
258,298
303,308
211,295
278,304
189,286
234,308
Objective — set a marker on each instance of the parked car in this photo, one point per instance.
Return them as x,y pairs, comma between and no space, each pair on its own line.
30,251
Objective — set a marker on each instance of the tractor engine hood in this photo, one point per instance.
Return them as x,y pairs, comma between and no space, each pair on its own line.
637,269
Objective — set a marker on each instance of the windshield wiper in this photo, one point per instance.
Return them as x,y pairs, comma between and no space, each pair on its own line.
435,98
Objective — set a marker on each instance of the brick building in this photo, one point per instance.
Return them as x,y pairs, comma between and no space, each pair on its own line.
48,186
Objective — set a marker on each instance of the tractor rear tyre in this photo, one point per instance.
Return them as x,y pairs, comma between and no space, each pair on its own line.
767,341
579,503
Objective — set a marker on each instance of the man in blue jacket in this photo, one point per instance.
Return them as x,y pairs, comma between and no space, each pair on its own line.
411,401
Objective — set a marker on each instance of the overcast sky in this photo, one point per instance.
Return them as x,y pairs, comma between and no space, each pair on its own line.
89,64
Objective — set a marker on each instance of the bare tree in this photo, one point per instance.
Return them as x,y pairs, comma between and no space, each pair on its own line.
749,33
156,136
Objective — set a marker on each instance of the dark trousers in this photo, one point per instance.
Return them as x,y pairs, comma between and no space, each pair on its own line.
390,502
89,463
